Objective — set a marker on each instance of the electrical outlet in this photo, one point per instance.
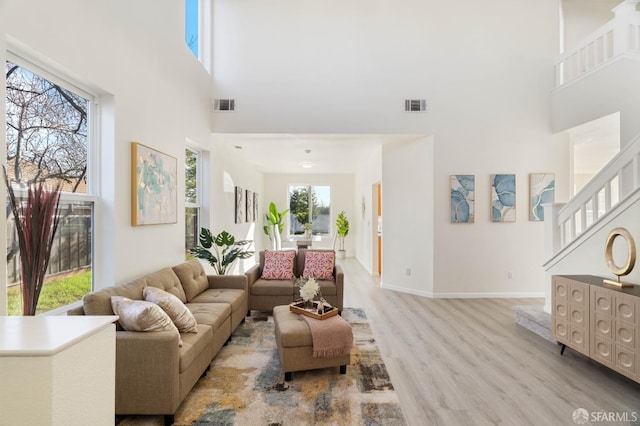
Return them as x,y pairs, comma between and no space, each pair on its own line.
510,275
407,271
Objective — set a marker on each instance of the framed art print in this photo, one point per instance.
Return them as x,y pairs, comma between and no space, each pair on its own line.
153,186
462,189
503,198
240,207
541,190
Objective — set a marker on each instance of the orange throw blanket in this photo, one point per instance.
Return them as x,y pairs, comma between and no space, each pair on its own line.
332,337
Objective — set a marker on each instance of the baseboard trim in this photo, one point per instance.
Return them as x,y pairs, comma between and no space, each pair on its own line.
406,290
489,295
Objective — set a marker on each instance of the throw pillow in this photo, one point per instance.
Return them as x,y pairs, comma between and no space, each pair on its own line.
278,265
173,306
319,265
140,315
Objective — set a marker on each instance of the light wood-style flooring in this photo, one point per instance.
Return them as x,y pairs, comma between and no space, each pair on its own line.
466,362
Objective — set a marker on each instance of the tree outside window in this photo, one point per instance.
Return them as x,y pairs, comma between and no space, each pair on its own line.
192,205
309,206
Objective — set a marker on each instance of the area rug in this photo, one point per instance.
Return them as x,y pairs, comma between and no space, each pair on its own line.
246,386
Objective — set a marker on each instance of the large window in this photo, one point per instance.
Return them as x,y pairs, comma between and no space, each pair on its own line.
48,138
192,199
310,208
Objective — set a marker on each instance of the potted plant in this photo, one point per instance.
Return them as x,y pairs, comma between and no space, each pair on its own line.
342,230
275,226
307,228
227,250
36,221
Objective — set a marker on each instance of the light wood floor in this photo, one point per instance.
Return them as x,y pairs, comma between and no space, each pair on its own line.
466,361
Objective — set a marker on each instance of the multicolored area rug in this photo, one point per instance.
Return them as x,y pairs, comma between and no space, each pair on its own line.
246,386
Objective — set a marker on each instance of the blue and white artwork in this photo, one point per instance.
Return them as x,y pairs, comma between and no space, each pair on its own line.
462,198
503,198
541,190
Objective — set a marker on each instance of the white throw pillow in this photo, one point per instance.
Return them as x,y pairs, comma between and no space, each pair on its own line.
177,311
140,315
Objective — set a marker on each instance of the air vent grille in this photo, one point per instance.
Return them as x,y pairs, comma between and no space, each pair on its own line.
415,105
224,105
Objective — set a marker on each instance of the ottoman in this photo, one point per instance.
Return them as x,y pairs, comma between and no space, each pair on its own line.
295,345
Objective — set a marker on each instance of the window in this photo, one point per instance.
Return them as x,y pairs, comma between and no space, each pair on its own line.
48,125
310,205
197,30
192,199
192,27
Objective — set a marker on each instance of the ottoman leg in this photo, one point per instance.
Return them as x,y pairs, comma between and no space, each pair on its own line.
287,376
343,369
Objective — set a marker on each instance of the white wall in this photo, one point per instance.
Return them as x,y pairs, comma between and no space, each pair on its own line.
612,89
369,173
132,54
276,187
486,71
227,172
408,213
582,17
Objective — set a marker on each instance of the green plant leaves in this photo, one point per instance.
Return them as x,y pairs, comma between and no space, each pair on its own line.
227,250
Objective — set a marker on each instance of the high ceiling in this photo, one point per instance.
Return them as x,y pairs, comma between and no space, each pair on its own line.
325,153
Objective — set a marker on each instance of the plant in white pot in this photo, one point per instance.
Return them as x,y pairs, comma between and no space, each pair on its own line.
275,225
342,230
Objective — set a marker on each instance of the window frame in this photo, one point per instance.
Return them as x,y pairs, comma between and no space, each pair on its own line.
198,205
46,71
289,221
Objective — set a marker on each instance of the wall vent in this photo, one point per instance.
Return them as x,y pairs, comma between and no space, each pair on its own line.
415,105
224,104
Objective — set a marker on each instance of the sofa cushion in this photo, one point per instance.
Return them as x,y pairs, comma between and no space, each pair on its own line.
211,314
193,278
99,302
273,288
181,317
140,315
193,344
278,265
165,279
319,264
328,287
233,297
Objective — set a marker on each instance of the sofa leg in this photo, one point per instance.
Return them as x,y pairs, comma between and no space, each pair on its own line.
204,373
287,376
169,420
343,369
249,312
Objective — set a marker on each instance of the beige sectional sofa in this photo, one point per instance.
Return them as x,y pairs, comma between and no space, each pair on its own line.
154,374
264,295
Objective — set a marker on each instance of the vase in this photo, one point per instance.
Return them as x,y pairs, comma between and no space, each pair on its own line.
276,238
308,304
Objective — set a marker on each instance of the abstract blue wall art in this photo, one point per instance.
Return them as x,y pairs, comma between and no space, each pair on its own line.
503,198
541,190
462,198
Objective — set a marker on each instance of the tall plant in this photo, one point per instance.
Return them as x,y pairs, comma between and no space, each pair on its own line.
342,226
275,226
227,250
36,220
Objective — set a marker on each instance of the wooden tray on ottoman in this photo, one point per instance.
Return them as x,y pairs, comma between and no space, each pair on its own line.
298,308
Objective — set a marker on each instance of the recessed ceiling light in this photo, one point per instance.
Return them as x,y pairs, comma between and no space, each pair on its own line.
308,151
237,147
306,165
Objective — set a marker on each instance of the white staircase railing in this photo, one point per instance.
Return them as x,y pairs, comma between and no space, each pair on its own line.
617,181
608,42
